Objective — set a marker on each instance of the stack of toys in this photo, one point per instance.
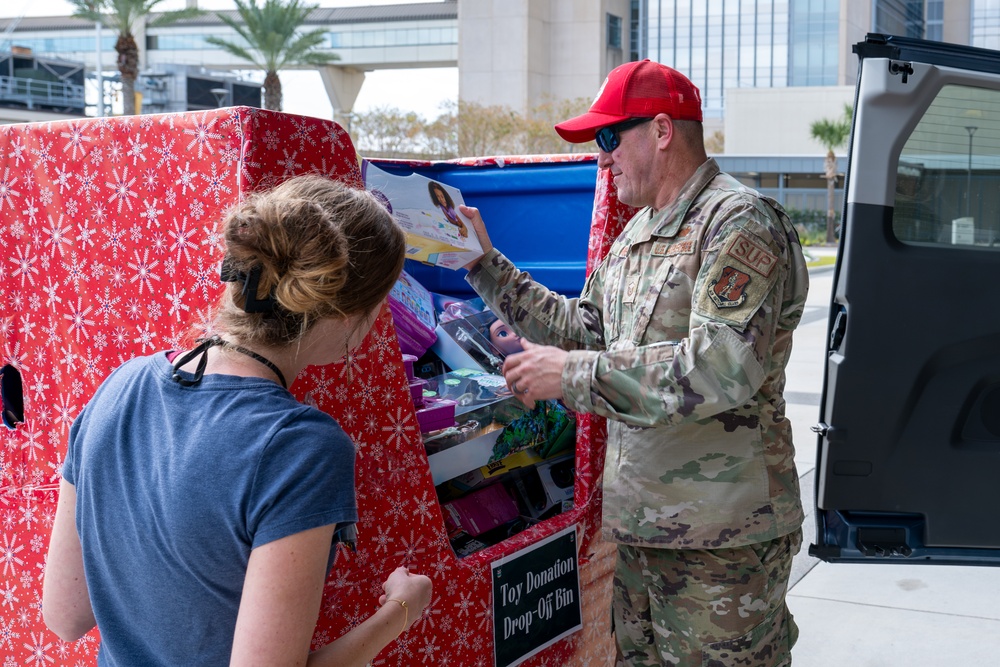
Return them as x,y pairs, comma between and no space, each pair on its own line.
498,467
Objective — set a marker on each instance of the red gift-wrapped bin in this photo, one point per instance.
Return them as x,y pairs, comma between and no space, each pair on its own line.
109,230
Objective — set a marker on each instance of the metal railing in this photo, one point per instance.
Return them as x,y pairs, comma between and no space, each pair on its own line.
34,93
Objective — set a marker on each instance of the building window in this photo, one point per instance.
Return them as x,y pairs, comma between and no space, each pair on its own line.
986,24
614,31
814,51
947,182
900,17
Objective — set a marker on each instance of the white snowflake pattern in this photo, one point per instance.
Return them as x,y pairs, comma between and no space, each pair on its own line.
78,321
215,184
7,634
76,270
182,239
65,412
136,149
202,134
116,238
16,151
166,153
213,238
58,236
289,164
31,211
151,213
62,177
106,305
44,155
9,550
122,189
25,264
37,650
177,304
88,182
32,442
402,427
186,179
7,190
76,140
302,133
145,337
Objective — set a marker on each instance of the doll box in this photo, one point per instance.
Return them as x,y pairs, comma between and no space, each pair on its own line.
427,210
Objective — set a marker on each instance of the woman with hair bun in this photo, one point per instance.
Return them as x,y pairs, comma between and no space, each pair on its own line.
200,501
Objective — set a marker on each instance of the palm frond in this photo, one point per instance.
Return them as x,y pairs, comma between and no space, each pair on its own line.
166,18
271,33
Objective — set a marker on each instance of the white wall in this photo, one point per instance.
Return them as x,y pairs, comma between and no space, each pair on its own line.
775,121
520,53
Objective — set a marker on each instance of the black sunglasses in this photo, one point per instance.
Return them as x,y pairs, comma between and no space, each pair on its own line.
609,137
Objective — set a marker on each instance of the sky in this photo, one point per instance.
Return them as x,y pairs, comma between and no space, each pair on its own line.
419,90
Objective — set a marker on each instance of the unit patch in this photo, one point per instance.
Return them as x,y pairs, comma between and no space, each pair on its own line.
729,289
752,253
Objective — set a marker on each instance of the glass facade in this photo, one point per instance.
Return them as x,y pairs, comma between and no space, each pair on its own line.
58,45
722,44
813,35
359,39
934,21
986,23
900,17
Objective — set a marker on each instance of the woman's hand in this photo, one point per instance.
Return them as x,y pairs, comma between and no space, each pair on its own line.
414,589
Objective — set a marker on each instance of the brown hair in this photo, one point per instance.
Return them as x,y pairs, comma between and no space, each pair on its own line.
325,250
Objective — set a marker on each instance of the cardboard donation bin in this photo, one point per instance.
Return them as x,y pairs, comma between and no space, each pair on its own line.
110,230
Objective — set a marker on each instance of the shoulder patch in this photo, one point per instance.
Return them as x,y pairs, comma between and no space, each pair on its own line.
754,255
729,290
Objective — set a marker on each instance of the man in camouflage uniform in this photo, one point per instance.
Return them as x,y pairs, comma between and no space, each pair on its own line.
680,338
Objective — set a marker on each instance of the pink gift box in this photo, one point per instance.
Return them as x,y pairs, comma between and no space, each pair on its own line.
408,361
436,414
480,511
417,391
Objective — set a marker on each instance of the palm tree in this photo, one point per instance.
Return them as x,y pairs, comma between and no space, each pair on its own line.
123,15
832,134
271,41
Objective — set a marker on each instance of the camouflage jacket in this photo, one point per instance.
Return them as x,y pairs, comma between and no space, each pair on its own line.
680,338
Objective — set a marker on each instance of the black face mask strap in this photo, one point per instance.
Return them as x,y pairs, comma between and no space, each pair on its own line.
204,345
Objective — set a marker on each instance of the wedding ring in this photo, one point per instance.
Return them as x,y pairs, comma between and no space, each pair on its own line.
513,388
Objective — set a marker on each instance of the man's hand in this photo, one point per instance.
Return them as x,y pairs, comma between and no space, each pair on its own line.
472,214
536,373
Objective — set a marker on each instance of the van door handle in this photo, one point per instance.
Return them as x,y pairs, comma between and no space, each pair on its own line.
839,329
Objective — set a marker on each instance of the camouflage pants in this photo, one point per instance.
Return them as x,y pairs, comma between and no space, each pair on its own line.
710,608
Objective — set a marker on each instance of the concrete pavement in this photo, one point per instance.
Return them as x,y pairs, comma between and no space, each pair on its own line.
874,615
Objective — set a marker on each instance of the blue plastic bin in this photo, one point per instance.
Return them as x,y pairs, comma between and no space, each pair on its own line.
538,214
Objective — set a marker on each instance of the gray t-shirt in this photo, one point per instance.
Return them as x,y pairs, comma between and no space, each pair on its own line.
175,485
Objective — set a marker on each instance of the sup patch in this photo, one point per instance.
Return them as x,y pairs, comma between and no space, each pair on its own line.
729,289
753,254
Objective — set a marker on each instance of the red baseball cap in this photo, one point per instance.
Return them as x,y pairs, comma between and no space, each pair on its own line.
635,90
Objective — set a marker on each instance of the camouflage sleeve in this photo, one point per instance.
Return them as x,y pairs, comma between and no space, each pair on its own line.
536,312
738,298
710,371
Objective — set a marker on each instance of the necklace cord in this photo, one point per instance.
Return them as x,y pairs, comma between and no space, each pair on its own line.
202,349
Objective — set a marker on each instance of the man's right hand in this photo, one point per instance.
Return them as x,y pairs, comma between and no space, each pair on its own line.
472,213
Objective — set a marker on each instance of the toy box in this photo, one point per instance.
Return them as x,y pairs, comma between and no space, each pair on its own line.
481,510
436,231
465,343
413,312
